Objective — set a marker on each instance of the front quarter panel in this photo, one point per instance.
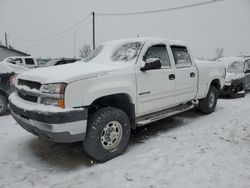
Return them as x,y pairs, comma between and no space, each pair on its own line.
84,92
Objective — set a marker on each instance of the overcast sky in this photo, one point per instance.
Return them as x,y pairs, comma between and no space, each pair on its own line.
220,25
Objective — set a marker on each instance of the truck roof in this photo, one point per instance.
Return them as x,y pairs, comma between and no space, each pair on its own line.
148,40
22,57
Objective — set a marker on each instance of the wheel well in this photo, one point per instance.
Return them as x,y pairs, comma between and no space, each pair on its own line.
120,101
216,84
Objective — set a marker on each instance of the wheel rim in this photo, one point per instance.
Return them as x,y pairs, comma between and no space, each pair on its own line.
211,100
111,135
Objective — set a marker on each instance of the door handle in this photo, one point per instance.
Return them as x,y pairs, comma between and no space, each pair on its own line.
171,77
192,74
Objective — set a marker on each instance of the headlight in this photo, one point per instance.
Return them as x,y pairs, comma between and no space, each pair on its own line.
228,82
54,94
13,80
58,88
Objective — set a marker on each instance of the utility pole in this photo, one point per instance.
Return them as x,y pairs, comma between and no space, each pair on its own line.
93,22
6,40
75,44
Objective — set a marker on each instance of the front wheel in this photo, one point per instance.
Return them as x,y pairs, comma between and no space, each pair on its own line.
208,104
108,134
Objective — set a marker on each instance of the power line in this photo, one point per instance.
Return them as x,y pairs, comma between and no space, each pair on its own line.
159,10
54,35
55,38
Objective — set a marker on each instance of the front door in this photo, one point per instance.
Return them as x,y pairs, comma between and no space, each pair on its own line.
155,88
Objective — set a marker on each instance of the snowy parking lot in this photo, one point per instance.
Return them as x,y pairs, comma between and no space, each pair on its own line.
187,150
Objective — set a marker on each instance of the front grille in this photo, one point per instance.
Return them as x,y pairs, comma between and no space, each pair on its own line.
28,97
30,84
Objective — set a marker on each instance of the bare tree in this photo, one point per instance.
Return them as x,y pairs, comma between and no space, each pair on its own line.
219,53
84,51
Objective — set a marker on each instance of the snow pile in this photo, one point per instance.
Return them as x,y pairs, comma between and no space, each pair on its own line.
26,88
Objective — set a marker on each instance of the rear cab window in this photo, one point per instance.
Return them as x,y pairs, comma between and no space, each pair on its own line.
181,57
158,52
29,61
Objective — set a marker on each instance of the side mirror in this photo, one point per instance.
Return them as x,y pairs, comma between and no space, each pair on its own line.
152,64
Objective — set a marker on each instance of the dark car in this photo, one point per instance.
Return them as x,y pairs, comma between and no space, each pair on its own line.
6,87
237,80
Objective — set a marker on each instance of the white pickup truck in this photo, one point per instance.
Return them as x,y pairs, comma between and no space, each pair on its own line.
119,86
25,61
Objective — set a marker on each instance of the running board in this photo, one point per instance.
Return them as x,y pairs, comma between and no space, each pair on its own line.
155,116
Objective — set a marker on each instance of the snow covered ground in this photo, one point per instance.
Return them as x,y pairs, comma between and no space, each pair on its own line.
188,150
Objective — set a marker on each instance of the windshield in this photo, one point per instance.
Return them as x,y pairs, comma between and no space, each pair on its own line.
127,52
111,52
236,67
8,60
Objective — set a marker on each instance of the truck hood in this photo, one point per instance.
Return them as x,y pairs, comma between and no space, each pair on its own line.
70,72
233,76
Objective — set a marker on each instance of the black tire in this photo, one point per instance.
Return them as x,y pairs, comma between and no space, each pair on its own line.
206,105
94,143
3,104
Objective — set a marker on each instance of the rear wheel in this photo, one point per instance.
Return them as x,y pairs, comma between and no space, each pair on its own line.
3,104
208,104
108,134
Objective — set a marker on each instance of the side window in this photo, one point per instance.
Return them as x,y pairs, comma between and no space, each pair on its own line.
71,61
181,57
29,61
60,63
160,52
17,61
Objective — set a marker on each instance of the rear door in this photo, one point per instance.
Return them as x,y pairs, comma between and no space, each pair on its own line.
185,73
155,88
247,73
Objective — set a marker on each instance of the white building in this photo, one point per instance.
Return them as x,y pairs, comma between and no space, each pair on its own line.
8,52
